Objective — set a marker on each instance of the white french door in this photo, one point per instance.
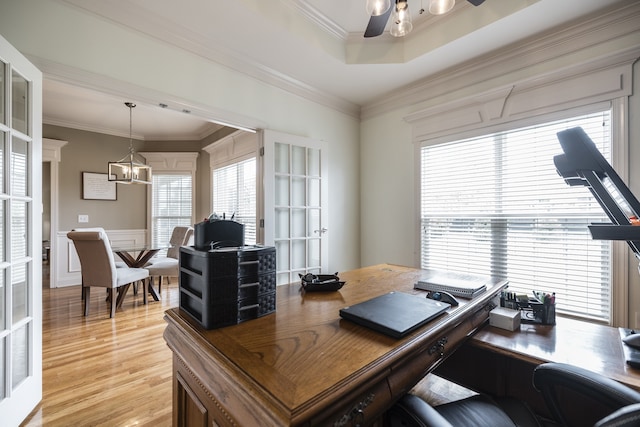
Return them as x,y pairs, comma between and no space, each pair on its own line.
20,235
295,203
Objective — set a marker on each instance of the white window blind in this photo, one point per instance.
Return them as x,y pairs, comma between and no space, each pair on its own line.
234,194
495,205
172,205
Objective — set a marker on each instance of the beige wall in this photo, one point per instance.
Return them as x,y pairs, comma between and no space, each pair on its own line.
90,152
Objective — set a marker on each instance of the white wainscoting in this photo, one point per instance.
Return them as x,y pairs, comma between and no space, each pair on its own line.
68,263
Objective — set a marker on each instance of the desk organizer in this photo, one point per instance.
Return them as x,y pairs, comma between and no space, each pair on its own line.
216,234
543,314
541,309
226,286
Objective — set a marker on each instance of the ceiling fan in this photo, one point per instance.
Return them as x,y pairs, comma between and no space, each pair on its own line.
378,22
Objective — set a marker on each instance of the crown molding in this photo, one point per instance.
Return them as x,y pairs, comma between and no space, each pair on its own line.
579,87
139,20
55,71
318,19
522,59
171,161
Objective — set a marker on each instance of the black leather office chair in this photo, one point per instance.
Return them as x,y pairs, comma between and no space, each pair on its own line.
603,402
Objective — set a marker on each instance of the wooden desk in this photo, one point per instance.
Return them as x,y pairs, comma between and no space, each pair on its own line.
503,361
303,365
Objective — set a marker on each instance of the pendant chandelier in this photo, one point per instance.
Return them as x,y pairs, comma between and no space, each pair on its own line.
129,170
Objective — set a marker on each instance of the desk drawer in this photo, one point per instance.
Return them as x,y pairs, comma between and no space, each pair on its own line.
249,261
366,407
408,372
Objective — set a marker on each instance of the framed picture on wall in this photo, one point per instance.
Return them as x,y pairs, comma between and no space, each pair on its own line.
96,186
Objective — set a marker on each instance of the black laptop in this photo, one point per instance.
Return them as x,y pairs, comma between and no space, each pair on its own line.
395,314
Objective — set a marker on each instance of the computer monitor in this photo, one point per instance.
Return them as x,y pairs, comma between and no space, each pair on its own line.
583,164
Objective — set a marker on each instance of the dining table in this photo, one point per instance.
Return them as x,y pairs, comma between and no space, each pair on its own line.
137,256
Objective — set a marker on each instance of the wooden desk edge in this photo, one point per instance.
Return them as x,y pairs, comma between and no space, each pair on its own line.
238,392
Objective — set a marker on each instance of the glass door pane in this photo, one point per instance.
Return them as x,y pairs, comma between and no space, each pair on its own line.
3,116
19,102
20,236
295,220
19,167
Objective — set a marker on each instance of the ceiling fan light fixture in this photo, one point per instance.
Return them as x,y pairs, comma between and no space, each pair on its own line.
377,7
440,7
401,25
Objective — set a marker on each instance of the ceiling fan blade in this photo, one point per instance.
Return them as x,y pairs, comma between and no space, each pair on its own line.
377,23
476,2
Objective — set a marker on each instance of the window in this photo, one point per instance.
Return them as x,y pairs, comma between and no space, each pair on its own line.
234,195
495,205
171,205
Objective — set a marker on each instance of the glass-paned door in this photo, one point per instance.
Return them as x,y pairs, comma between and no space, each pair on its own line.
295,217
20,235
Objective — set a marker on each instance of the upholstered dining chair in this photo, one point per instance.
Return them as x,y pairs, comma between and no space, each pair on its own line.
99,269
167,266
119,263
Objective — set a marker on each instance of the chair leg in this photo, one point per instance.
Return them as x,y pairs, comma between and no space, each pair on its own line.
159,284
113,303
145,289
85,294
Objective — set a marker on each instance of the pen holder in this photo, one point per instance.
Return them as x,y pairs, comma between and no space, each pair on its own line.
541,313
532,310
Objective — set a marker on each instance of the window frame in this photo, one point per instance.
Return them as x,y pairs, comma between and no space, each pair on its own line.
153,217
619,161
170,163
234,162
507,211
237,147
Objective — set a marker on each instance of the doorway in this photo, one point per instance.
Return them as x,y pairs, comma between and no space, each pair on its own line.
46,224
51,157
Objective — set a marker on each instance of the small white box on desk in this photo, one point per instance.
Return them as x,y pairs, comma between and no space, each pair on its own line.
505,318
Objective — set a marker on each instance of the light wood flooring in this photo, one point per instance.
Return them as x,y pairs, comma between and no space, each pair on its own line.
99,371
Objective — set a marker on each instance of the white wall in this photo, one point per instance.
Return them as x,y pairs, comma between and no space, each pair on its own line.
390,224
67,43
373,211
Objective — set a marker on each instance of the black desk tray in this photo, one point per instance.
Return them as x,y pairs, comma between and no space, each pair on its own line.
320,282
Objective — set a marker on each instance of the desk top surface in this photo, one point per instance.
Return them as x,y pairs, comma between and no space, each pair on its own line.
305,351
588,345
